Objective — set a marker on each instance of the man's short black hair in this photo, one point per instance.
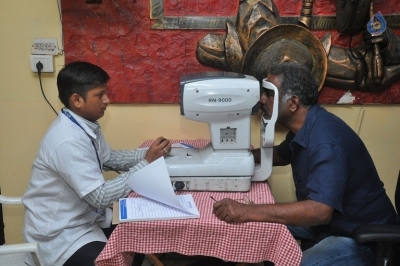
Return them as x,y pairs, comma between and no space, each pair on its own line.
79,77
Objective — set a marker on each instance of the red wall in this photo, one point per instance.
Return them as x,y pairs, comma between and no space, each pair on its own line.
145,64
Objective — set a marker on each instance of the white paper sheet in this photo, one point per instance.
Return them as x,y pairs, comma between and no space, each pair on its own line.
153,182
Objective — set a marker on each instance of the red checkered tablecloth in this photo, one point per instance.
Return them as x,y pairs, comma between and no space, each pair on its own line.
207,236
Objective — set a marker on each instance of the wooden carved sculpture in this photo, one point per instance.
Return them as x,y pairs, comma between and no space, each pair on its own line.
259,39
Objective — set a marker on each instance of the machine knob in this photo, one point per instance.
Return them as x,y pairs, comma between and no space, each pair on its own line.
179,185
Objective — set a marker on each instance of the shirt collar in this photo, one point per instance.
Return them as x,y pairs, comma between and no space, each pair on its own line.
302,137
89,127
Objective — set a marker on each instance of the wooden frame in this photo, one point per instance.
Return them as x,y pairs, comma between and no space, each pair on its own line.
216,23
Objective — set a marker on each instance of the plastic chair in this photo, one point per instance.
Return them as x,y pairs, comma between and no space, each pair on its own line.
387,237
15,254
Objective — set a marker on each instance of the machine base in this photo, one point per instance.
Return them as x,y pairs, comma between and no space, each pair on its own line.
203,183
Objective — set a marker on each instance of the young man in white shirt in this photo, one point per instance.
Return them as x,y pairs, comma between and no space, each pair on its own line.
67,195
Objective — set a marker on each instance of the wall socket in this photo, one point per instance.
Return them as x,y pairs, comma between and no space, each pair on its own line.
46,60
44,46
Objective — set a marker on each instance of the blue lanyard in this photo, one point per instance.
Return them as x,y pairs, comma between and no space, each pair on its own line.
67,114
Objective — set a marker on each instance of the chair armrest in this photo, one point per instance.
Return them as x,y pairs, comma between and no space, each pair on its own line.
23,248
377,233
18,248
10,200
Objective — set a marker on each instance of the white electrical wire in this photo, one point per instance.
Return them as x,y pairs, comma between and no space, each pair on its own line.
359,120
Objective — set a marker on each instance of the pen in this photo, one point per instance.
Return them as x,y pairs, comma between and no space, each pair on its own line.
213,198
187,145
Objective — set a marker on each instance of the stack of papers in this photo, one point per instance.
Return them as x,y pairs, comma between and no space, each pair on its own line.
159,201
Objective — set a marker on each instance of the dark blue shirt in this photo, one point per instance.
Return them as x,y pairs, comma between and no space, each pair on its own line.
331,165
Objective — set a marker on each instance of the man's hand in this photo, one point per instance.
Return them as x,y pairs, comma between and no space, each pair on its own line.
160,147
230,211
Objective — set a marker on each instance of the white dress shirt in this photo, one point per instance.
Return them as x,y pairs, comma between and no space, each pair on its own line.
67,187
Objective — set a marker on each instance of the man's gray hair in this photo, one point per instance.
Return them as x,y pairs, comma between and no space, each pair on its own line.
296,80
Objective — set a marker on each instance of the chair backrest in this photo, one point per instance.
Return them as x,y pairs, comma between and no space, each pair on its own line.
15,254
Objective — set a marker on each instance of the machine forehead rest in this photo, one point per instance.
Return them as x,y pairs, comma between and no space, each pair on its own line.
188,78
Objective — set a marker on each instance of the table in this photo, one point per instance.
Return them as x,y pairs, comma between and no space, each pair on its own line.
207,236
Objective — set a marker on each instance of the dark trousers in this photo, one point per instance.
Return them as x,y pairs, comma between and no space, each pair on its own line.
86,255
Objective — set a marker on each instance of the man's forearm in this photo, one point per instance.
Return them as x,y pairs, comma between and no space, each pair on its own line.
109,192
103,196
303,213
122,160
